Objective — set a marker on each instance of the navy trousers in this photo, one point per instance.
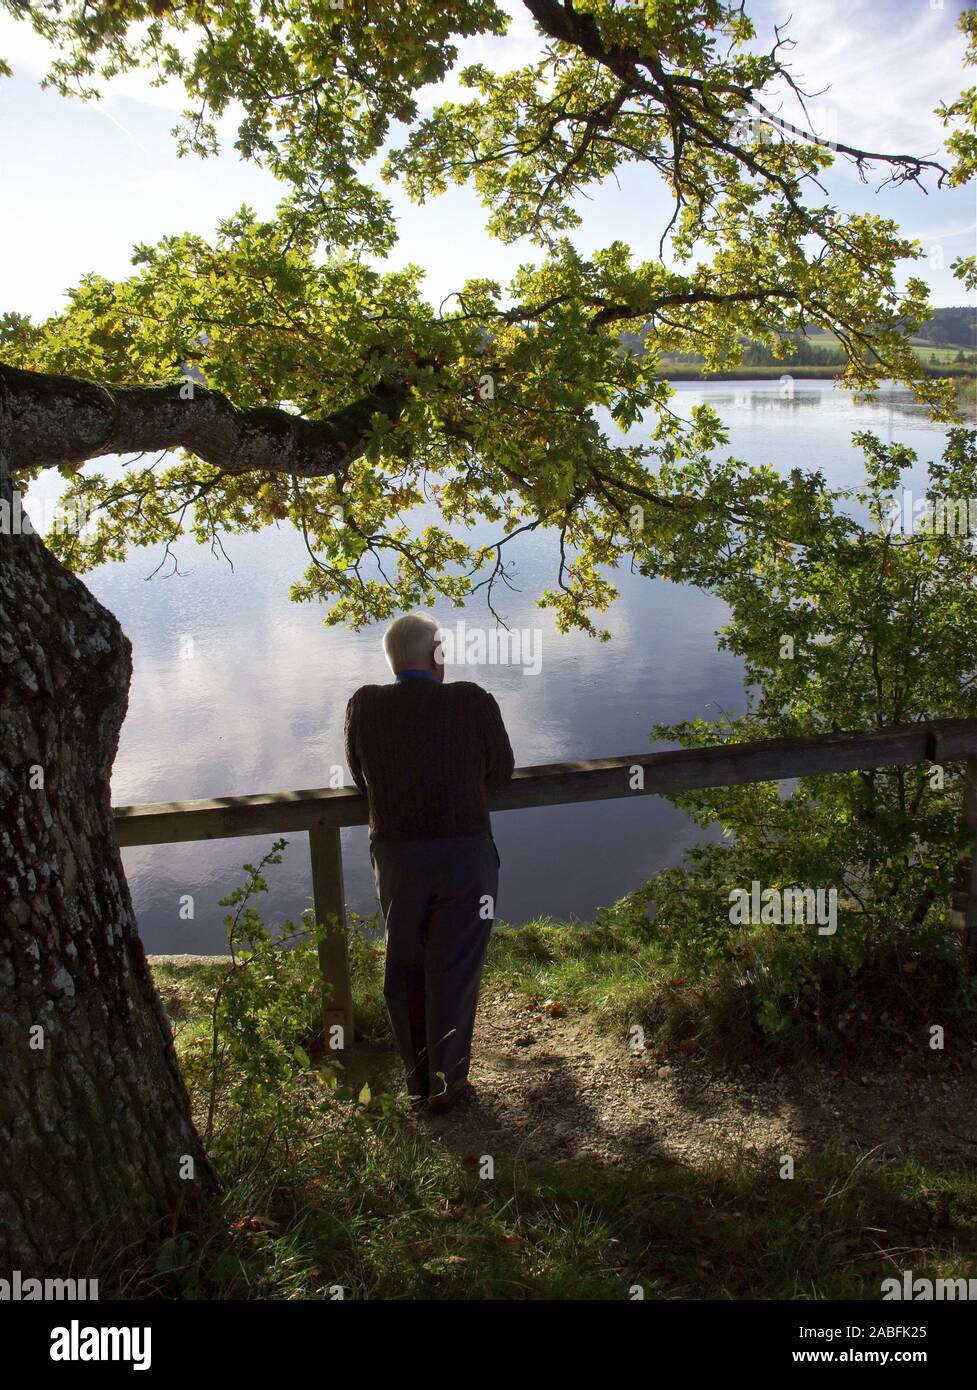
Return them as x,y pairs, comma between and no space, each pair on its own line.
438,902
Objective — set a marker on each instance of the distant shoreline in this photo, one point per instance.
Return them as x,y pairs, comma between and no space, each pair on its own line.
809,371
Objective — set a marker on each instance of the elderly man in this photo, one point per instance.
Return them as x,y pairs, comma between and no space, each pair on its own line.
425,754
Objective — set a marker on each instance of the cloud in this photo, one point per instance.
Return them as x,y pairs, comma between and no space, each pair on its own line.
884,67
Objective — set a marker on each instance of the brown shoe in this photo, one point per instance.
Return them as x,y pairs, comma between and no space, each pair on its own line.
449,1098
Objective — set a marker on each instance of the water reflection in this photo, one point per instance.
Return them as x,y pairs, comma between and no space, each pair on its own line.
236,690
777,399
795,394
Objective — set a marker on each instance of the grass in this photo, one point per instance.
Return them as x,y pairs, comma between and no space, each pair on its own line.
940,352
933,352
359,1198
620,976
965,389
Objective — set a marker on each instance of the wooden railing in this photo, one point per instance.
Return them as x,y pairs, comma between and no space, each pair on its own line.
322,813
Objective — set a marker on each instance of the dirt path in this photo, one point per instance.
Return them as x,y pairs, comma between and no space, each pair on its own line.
553,1088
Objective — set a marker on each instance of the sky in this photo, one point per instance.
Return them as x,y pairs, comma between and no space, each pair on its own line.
81,184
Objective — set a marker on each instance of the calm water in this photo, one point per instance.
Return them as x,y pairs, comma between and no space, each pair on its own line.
260,705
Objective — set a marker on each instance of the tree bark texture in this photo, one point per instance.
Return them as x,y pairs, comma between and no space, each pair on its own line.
97,1148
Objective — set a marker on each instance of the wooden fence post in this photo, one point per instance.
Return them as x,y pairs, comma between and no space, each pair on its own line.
329,899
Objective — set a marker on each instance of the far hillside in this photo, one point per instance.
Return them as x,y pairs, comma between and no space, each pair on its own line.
947,341
955,327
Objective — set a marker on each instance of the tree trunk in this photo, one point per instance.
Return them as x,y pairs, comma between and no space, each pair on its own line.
64,419
97,1149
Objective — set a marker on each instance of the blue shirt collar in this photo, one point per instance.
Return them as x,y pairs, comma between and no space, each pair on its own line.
416,676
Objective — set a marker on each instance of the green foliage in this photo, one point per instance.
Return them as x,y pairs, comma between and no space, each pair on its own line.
961,116
300,315
864,626
265,1013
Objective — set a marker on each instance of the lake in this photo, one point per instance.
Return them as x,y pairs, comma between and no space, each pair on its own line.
259,704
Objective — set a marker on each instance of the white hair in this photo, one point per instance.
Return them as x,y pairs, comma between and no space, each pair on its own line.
409,641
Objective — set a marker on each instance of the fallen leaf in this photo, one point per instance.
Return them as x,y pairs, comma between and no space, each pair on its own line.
439,1266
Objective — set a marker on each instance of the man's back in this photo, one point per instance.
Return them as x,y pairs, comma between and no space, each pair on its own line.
424,752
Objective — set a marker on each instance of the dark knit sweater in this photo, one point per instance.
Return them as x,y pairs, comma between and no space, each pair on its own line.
424,754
